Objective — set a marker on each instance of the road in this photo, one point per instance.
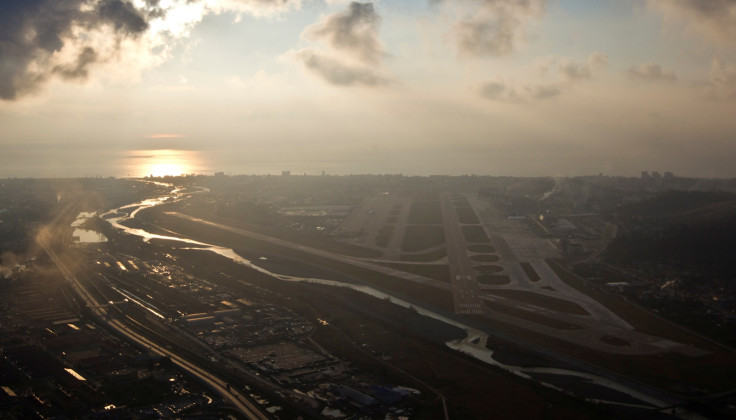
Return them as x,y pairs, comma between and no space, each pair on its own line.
245,406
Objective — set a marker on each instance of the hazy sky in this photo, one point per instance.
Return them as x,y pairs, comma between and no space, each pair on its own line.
500,87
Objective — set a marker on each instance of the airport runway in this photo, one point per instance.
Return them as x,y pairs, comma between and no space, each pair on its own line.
464,286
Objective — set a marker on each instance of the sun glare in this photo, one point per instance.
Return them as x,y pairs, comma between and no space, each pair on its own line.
159,163
164,169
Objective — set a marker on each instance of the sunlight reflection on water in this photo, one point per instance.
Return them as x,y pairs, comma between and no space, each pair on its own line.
163,162
86,236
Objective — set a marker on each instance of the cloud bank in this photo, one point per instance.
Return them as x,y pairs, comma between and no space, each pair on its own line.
67,39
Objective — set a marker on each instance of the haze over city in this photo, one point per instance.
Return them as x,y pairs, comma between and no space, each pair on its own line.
513,87
389,209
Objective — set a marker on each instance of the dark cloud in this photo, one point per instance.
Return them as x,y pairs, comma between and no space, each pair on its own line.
493,90
651,73
484,37
506,92
716,18
722,73
543,91
722,80
355,54
79,69
495,26
34,32
572,70
43,39
598,60
353,31
122,15
337,73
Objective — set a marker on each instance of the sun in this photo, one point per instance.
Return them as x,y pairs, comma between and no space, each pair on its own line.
165,169
158,163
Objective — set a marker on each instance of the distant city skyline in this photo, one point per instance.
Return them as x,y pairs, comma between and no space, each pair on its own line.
487,87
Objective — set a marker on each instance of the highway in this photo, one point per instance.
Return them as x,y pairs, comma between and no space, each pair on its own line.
243,404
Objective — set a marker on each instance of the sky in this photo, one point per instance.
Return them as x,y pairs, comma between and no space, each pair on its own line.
417,87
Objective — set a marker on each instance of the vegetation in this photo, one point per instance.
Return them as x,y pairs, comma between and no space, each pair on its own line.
475,233
485,258
384,235
422,237
493,279
486,269
425,213
532,317
439,272
481,248
430,256
467,215
559,305
530,272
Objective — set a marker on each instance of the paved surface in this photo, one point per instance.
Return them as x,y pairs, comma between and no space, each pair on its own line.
393,250
516,244
464,286
375,213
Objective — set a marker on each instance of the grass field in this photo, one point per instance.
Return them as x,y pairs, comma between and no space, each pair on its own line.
493,279
530,272
467,215
484,258
425,213
421,237
439,272
533,317
559,305
425,257
475,233
481,248
384,235
488,269
615,341
440,298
